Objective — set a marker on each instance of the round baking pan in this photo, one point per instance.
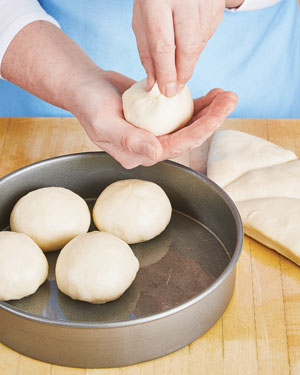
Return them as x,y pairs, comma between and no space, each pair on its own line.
185,282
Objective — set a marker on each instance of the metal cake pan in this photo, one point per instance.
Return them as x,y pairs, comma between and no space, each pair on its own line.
184,285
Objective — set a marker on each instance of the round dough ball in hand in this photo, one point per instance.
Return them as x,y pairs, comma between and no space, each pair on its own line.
153,111
51,216
133,210
23,266
95,267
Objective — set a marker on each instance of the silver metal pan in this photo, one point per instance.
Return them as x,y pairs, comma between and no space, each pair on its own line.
184,285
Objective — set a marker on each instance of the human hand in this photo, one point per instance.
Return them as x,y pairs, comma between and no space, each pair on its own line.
170,36
210,111
100,112
98,106
63,75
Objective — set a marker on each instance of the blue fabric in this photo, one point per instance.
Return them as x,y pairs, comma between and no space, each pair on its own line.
254,53
257,55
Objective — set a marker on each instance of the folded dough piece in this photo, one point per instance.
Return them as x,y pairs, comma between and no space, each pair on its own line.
233,153
275,223
282,180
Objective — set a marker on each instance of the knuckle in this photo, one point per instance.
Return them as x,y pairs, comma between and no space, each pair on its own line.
184,76
129,142
215,91
192,49
134,25
128,164
149,5
162,47
125,142
177,152
146,60
148,163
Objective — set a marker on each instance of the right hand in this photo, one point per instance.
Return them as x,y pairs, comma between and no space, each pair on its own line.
170,36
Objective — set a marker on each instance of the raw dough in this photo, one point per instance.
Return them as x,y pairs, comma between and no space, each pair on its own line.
152,111
275,223
282,180
233,153
264,182
133,210
51,216
23,266
95,267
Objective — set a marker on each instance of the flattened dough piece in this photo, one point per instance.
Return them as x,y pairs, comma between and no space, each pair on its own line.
281,180
233,153
275,223
23,266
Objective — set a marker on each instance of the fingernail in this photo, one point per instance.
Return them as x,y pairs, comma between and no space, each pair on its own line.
149,150
180,87
150,84
170,89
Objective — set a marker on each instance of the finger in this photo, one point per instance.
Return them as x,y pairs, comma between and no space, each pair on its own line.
204,101
129,138
195,134
202,105
205,110
126,158
223,104
160,36
145,53
189,42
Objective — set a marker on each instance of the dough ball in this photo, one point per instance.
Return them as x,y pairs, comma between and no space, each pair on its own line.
23,266
95,267
153,111
133,210
51,216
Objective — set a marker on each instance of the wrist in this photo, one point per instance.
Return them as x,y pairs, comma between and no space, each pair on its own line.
80,90
95,98
98,88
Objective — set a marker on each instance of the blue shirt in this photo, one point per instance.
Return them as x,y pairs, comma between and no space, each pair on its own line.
254,53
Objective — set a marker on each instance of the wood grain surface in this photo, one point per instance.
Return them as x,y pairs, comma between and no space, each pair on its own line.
259,332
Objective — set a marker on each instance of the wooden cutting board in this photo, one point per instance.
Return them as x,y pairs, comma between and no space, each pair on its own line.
259,332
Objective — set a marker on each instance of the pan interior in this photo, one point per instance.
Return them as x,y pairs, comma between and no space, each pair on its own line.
175,267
